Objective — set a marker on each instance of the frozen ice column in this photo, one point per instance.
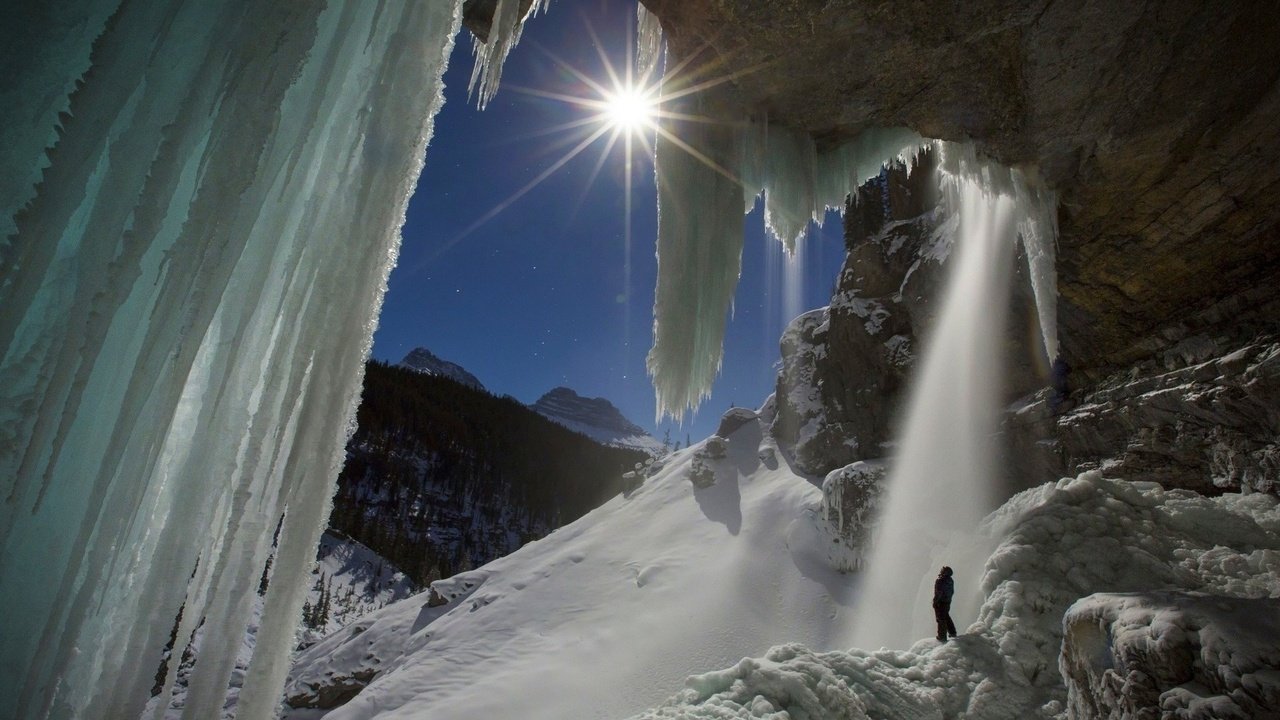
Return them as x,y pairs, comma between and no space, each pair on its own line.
201,204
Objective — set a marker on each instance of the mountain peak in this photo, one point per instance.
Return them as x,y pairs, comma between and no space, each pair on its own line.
424,361
597,418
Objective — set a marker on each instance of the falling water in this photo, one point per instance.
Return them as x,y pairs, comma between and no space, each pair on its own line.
940,484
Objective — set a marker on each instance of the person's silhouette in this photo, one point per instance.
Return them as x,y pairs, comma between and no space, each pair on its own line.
943,589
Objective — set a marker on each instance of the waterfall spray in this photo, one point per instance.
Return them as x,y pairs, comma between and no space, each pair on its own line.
940,484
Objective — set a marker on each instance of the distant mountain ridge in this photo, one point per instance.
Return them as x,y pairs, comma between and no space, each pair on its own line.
597,418
424,361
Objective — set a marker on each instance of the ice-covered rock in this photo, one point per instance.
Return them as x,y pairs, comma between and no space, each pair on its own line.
1057,543
1176,655
850,500
1206,420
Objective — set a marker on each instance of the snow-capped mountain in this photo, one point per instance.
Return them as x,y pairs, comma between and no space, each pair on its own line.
425,361
597,418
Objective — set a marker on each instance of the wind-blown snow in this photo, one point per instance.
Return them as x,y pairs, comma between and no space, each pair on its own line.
188,301
604,616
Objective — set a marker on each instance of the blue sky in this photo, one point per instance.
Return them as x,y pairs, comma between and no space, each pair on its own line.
536,296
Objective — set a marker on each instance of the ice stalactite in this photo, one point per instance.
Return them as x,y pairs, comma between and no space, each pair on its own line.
188,295
799,184
504,35
941,480
649,44
699,258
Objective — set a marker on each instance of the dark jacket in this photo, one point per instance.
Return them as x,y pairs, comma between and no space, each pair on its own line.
943,588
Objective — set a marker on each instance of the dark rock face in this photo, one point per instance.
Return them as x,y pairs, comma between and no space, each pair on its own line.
1153,120
477,16
1203,416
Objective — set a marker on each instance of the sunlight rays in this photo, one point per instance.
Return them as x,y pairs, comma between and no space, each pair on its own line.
626,105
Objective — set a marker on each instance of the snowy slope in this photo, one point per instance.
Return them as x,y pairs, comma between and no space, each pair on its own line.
424,361
597,418
357,580
605,616
1059,542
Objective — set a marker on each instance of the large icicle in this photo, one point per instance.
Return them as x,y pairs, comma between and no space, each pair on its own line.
185,307
699,258
504,34
696,230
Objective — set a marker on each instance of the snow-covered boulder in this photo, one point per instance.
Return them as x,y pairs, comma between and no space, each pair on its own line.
850,498
1189,656
735,418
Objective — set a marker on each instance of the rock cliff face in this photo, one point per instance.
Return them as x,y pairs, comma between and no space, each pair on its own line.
844,367
1202,414
1154,121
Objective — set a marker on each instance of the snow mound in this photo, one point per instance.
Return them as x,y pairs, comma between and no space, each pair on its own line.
604,616
1058,543
1179,655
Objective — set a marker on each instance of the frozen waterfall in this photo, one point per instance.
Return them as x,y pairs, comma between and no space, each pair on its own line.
940,481
201,202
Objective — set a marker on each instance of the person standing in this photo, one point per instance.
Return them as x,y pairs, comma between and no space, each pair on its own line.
943,589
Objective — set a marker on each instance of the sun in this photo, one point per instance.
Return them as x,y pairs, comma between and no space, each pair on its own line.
629,108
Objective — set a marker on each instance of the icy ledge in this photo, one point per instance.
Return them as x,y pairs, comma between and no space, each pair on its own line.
1060,542
1169,654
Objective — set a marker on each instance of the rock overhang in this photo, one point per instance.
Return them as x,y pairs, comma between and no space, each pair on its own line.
1154,122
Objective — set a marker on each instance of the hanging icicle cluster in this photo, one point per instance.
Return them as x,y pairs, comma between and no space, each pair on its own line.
700,232
190,279
491,55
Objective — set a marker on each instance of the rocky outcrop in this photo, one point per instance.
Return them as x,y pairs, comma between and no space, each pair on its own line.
844,367
1153,121
850,501
1192,656
1203,416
